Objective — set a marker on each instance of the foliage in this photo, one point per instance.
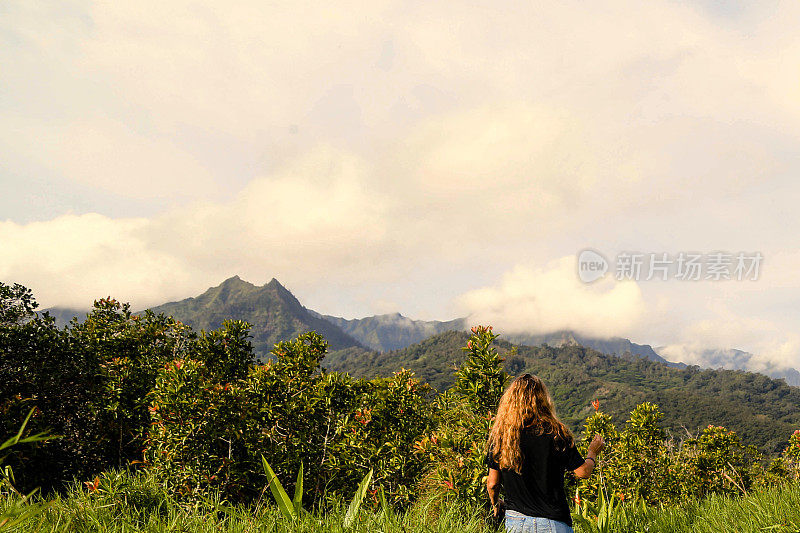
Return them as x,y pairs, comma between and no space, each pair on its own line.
457,448
456,451
641,465
19,507
599,517
775,509
355,503
290,509
210,432
481,379
125,501
16,304
789,464
759,409
793,449
717,462
89,382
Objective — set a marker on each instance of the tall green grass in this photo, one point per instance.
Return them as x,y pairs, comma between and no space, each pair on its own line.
775,510
125,502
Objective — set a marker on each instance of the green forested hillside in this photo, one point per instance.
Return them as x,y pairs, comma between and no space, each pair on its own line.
762,410
276,315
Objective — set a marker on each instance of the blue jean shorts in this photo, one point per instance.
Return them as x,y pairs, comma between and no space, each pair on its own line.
520,523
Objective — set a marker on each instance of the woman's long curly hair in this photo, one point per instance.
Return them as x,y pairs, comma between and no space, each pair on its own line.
525,405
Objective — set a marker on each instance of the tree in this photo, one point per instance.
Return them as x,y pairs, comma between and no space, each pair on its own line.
481,379
16,304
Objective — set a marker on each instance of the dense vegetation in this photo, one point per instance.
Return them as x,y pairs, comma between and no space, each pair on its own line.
167,421
760,409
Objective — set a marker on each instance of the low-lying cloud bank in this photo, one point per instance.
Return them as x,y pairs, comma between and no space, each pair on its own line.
552,298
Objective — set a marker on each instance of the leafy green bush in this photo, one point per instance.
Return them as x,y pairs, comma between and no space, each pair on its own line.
207,432
481,379
717,462
457,447
640,464
793,450
90,383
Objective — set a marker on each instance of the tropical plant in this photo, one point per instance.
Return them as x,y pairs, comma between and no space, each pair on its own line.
21,509
457,446
792,454
596,517
292,509
481,379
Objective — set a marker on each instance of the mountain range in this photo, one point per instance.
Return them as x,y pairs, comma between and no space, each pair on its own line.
277,315
393,331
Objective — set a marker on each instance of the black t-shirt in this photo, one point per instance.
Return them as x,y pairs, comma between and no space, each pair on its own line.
539,490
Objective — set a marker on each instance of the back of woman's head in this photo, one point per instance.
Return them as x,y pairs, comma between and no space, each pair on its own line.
525,405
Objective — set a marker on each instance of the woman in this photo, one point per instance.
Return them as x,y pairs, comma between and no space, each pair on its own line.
529,451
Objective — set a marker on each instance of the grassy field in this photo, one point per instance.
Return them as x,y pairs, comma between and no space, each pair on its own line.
772,510
126,503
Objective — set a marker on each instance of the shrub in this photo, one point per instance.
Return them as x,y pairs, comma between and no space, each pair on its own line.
209,433
792,456
716,462
457,448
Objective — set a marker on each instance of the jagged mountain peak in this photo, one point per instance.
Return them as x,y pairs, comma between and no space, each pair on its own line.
235,281
274,312
274,284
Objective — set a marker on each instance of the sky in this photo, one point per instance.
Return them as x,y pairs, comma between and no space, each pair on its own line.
439,159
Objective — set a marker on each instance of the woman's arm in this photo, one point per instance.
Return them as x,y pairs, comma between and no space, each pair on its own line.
493,488
585,470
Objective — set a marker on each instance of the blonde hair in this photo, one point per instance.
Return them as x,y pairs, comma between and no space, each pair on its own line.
526,404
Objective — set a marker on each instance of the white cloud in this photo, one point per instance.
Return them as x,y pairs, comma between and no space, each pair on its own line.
543,300
311,218
699,321
73,259
303,223
713,341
